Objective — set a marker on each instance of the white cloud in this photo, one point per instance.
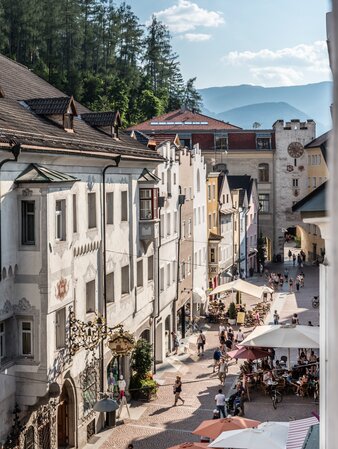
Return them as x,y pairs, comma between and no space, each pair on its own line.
276,76
286,66
187,16
196,37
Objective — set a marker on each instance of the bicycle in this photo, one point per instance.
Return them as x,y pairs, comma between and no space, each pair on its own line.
275,395
315,302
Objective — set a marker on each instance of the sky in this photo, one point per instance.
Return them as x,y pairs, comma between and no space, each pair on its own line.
231,42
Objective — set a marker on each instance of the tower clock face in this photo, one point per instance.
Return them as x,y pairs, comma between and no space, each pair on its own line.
295,149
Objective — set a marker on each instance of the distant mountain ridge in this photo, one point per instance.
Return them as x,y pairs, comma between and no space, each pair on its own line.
245,104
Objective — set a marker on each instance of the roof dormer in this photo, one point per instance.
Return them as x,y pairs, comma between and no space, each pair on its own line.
60,110
108,122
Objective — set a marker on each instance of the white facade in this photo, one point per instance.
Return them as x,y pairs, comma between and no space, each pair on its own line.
226,246
200,232
59,264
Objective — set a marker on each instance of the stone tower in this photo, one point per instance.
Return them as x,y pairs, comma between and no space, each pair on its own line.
290,174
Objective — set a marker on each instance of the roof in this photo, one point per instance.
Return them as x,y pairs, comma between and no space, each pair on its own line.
40,174
315,201
147,176
109,118
321,142
298,431
51,106
162,137
182,120
37,133
241,182
213,236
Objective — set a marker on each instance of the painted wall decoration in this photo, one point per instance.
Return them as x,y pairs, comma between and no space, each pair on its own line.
61,289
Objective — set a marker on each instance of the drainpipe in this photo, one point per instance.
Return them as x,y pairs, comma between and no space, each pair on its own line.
16,150
158,290
181,200
104,240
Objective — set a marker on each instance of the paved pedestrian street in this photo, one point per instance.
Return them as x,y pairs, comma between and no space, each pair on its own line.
158,424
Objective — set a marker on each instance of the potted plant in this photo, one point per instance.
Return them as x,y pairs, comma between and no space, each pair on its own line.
232,313
142,385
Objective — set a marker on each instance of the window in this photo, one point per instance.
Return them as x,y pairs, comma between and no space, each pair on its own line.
189,264
221,142
168,275
198,180
309,182
174,179
263,173
162,177
148,204
162,225
68,121
313,159
212,255
182,270
309,160
183,230
319,160
175,222
263,143
74,214
91,210
295,183
189,227
110,207
213,192
214,219
150,268
174,271
162,279
125,280
140,273
26,338
168,224
2,340
60,328
28,222
124,206
209,192
314,182
110,287
60,220
203,214
264,200
90,296
89,388
210,224
227,197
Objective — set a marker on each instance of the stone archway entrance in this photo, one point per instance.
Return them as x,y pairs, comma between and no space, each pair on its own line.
66,418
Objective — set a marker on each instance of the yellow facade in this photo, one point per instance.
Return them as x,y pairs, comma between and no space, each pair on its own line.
317,170
212,203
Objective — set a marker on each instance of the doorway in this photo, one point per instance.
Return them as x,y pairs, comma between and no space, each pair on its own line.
66,418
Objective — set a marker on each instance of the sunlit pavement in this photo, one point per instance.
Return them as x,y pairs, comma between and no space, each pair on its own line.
160,425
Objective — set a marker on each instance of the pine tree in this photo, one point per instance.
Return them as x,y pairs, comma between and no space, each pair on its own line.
192,98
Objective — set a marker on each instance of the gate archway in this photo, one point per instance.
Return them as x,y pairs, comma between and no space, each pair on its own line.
66,417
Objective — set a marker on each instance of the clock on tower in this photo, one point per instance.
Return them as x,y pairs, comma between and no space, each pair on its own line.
295,149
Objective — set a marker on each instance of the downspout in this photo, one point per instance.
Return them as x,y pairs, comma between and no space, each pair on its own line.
158,290
16,150
104,240
178,258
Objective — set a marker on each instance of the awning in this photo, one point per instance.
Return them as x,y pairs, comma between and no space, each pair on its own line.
298,431
242,286
199,296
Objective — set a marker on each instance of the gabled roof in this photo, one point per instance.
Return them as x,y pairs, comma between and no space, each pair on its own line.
108,118
315,201
182,120
162,137
147,176
52,105
240,182
38,173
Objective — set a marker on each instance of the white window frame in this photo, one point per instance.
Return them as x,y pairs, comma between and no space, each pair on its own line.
60,328
60,220
28,332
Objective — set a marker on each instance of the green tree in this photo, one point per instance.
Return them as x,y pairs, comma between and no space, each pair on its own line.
192,98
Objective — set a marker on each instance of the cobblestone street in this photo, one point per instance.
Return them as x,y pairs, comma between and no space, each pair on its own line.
159,424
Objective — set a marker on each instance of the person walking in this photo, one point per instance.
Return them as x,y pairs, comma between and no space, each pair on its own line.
176,342
290,254
290,285
220,402
217,357
295,319
286,274
222,371
294,259
178,390
297,283
275,317
239,336
201,340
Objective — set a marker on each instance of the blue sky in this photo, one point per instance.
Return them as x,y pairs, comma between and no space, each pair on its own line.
231,42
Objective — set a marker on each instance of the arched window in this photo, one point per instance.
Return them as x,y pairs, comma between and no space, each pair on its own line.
198,180
263,172
29,438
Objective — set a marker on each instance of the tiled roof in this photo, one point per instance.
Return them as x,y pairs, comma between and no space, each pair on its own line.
49,106
109,118
40,174
37,133
320,140
182,120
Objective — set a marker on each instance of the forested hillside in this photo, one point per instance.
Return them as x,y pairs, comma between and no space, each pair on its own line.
98,52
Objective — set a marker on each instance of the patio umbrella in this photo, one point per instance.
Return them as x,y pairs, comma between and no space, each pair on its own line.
190,445
269,435
283,336
248,353
212,428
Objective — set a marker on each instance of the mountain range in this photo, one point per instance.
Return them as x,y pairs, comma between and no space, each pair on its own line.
246,104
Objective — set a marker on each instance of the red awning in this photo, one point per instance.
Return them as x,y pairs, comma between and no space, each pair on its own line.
298,430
